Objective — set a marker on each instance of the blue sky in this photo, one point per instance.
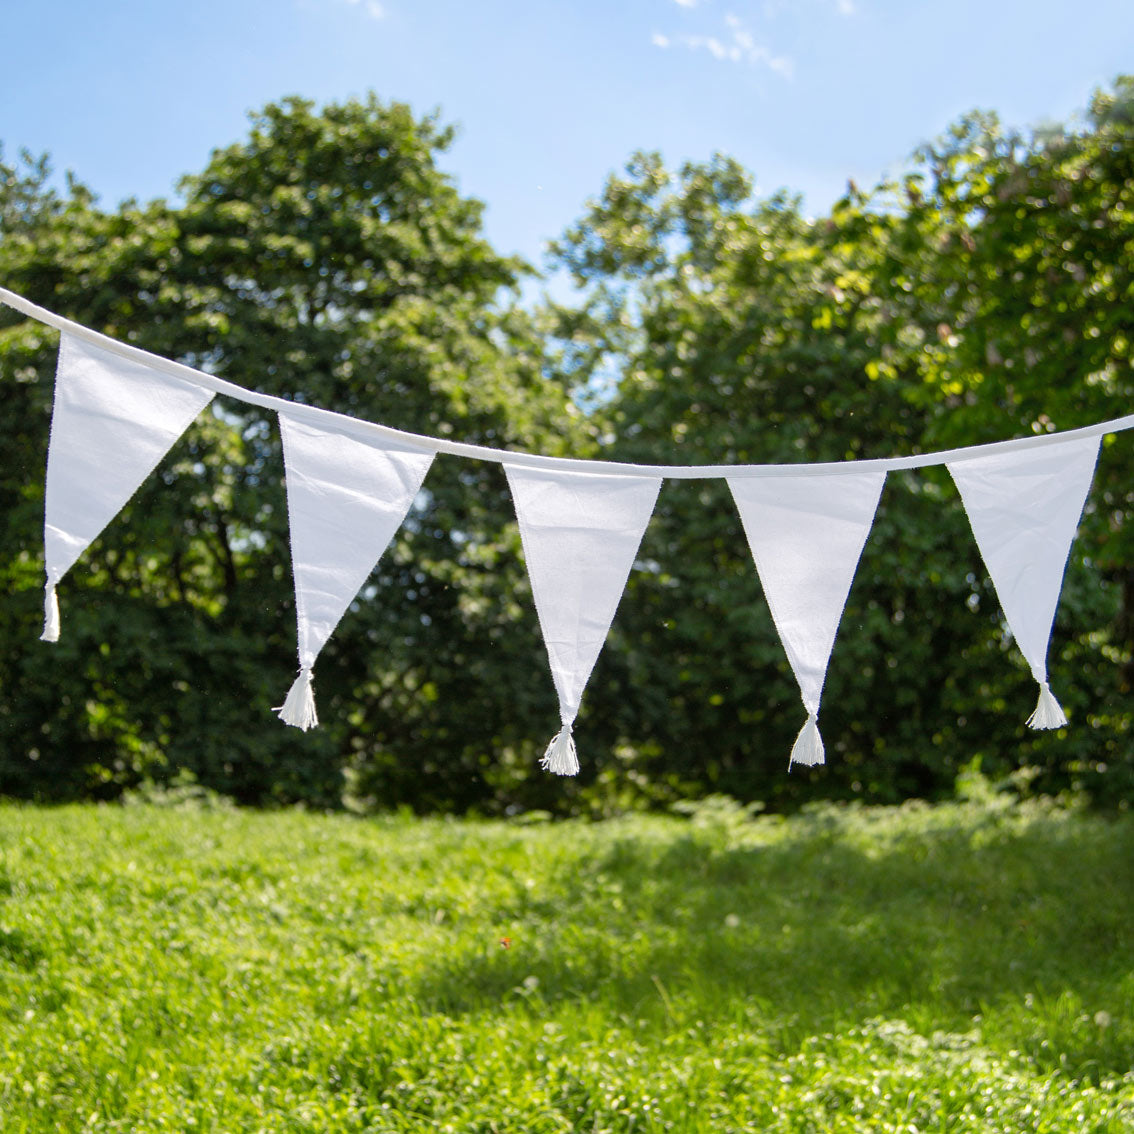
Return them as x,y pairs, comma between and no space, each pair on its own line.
550,96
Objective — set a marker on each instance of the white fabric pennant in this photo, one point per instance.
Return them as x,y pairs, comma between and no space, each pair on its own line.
806,534
346,499
581,533
1024,510
113,421
118,411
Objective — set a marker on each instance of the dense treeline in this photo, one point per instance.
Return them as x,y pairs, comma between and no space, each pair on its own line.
327,257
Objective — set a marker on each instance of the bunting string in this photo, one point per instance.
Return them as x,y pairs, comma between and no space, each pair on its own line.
351,483
375,431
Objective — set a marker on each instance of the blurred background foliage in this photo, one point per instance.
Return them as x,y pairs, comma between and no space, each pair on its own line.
328,258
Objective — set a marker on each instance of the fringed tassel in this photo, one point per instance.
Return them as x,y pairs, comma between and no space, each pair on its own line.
1048,712
50,614
560,756
808,749
299,708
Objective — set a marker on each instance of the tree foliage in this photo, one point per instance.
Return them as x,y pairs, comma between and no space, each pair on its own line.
327,258
985,296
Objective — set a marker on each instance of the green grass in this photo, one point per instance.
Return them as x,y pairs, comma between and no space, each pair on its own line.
958,968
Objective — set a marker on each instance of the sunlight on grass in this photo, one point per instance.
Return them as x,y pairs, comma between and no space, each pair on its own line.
958,968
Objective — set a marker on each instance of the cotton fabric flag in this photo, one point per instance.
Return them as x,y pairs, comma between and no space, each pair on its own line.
806,534
1024,507
113,421
346,499
581,533
118,411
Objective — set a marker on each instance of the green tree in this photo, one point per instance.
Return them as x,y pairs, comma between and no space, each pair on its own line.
742,331
1007,289
326,258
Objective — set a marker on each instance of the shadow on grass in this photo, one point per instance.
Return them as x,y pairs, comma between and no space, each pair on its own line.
1023,918
19,949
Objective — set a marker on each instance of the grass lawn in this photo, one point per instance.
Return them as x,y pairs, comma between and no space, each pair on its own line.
961,968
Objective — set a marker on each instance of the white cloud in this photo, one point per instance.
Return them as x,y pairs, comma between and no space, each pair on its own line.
686,3
372,8
737,46
782,65
773,9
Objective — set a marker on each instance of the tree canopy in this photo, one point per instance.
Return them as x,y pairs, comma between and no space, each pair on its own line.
328,258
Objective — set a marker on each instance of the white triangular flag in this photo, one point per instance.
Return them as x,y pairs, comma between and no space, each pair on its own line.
346,499
1024,507
806,534
113,420
580,532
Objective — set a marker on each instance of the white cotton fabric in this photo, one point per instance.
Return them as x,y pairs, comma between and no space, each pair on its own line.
113,421
118,410
346,499
806,535
1024,509
581,534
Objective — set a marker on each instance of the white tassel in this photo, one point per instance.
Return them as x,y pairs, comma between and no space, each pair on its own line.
560,756
1048,712
299,708
50,614
808,749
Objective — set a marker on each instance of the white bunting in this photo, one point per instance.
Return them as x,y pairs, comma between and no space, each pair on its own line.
113,420
350,483
806,534
1024,508
580,532
346,499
